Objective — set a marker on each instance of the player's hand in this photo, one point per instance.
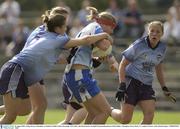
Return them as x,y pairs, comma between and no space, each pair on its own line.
120,94
110,39
168,94
102,59
114,67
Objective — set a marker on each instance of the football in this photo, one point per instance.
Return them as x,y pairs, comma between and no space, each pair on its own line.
97,52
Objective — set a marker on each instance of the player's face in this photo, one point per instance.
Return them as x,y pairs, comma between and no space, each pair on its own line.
108,29
155,33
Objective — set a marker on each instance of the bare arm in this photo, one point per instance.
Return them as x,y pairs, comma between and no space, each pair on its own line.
160,74
160,77
113,64
122,66
103,44
86,40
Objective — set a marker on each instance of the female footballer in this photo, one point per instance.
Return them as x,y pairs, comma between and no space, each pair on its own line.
30,66
136,71
78,76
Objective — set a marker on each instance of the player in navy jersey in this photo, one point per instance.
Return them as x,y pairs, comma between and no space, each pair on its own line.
78,76
140,61
31,65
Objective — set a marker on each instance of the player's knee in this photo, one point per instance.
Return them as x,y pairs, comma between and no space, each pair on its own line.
105,114
126,120
40,107
8,118
24,112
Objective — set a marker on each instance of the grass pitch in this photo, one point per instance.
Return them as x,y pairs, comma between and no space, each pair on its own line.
161,117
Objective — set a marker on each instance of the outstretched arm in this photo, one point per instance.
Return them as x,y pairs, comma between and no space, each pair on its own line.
86,40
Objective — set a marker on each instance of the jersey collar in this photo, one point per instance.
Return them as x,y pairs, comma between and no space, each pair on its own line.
149,44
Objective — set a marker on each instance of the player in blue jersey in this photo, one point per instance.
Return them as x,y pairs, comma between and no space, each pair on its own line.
78,76
30,66
140,61
41,28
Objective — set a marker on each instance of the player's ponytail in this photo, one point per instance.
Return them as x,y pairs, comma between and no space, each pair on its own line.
53,20
45,16
101,18
93,13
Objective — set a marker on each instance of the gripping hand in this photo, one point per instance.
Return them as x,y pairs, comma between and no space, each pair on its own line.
120,94
168,94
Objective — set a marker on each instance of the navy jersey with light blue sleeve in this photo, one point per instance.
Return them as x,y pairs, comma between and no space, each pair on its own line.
143,59
83,54
40,54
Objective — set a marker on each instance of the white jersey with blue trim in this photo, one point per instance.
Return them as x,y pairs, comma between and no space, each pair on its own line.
40,54
83,55
143,59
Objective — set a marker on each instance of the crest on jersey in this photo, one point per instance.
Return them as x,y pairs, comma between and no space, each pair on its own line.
159,57
145,56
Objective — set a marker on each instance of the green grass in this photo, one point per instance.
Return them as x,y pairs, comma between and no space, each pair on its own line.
161,117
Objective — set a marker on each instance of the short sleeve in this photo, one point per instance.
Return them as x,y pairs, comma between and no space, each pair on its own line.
129,53
63,40
98,30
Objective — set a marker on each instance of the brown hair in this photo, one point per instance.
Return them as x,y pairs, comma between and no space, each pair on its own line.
59,10
53,20
102,18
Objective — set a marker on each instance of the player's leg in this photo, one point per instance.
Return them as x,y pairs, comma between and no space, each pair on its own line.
78,116
103,108
2,109
39,103
124,115
85,90
70,110
69,113
14,107
148,108
10,111
147,103
14,93
91,113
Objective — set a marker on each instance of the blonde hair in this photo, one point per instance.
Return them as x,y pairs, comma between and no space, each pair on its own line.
94,14
159,23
